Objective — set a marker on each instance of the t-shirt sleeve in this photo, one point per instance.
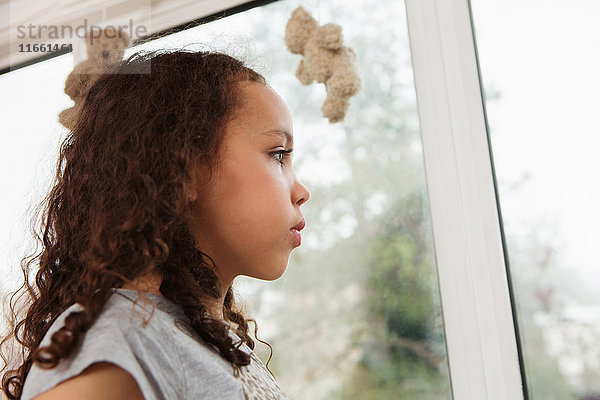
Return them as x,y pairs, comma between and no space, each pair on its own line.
118,337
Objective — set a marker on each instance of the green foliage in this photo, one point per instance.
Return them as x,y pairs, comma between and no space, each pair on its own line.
405,381
398,292
403,354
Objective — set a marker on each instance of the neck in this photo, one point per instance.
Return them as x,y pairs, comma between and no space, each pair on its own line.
150,283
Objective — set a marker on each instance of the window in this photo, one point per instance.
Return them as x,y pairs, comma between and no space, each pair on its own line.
357,314
540,89
462,181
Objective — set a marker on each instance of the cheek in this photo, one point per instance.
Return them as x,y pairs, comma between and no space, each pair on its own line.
269,197
255,196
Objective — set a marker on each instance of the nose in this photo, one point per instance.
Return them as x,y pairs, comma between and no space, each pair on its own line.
302,193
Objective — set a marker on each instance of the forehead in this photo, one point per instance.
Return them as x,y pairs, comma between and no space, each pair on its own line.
262,112
280,132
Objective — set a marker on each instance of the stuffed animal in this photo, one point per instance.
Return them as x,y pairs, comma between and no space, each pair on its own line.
325,60
103,50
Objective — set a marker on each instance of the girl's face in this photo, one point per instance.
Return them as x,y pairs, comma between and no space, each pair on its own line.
244,216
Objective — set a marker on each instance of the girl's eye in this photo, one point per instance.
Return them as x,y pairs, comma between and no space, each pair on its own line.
283,153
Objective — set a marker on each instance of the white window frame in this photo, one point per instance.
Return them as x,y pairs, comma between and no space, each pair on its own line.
479,327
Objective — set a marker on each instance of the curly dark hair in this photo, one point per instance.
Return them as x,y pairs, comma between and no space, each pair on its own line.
118,209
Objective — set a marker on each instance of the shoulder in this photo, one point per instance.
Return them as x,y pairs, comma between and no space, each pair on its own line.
136,321
91,384
132,339
151,342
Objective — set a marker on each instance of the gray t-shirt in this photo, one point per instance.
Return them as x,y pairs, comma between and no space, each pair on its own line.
167,360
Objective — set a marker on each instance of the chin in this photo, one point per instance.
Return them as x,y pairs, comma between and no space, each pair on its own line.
270,275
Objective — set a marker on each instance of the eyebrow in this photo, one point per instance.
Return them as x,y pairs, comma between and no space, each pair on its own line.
281,132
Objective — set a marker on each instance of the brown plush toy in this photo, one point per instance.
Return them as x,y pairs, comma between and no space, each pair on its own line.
103,50
325,60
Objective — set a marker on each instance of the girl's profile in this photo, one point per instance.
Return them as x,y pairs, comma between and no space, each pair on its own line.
170,184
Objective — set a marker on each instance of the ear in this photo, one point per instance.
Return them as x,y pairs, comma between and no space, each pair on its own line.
189,188
191,193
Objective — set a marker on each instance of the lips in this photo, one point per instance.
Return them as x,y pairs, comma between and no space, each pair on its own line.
295,230
300,225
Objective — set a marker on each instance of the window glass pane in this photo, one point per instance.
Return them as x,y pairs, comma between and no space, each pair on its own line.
539,69
30,100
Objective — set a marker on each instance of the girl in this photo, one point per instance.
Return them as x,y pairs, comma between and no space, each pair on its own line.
171,184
